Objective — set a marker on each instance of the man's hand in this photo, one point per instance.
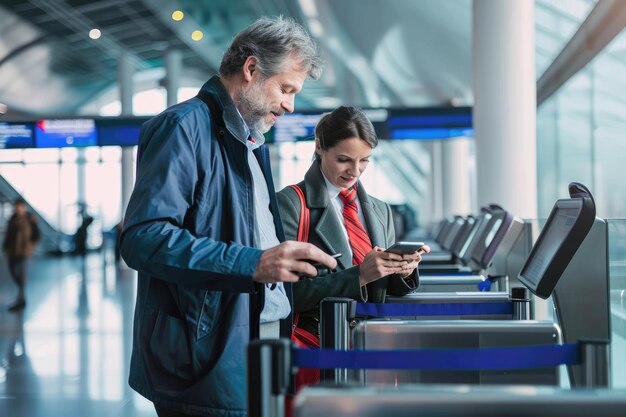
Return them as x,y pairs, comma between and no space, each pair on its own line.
284,262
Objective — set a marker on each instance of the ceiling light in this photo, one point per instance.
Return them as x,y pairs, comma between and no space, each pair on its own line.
95,33
308,8
196,35
178,15
316,28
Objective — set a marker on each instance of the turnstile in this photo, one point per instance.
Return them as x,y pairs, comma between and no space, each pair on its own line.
559,264
454,334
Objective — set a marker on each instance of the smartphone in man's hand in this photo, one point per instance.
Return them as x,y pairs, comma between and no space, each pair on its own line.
321,269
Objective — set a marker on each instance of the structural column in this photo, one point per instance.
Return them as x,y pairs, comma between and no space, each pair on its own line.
173,69
435,188
455,177
125,82
505,104
505,108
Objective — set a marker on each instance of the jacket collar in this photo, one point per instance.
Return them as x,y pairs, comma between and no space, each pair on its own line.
328,223
233,121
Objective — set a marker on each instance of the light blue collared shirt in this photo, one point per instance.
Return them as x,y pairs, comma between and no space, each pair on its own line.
276,305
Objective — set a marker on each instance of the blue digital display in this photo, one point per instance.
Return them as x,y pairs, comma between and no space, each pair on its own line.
16,135
116,132
63,133
295,127
432,120
431,123
301,126
424,134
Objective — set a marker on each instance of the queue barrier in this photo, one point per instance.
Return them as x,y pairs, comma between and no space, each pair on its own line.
523,357
272,364
434,309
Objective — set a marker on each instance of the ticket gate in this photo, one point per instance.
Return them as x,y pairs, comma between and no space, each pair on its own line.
447,334
495,254
570,236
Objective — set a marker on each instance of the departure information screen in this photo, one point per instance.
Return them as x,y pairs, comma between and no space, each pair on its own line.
16,135
301,126
63,133
295,127
119,132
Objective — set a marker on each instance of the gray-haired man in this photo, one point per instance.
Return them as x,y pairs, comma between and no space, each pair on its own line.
202,228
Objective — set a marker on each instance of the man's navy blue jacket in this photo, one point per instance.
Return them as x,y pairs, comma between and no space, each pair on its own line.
189,231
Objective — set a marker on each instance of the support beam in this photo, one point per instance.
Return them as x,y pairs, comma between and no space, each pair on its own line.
602,25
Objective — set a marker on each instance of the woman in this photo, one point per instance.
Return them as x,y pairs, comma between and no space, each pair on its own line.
345,219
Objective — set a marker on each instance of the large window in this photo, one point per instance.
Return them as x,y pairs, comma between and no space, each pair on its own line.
580,137
580,134
56,181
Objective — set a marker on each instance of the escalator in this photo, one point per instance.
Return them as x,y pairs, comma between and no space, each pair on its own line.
51,239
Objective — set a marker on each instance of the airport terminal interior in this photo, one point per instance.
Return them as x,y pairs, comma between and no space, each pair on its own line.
486,111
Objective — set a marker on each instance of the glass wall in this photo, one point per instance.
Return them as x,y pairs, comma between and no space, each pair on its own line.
56,182
580,137
556,21
580,133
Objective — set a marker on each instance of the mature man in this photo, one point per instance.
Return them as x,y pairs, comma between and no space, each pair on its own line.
202,228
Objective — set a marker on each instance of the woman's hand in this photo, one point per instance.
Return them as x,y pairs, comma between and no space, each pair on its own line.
412,260
378,264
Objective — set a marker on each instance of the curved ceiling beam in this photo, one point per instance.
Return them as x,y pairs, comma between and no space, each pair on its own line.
337,41
22,48
605,21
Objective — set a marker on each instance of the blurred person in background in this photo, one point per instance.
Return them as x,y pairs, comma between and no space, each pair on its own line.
20,241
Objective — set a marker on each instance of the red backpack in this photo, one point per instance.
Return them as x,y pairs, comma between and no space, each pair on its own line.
302,337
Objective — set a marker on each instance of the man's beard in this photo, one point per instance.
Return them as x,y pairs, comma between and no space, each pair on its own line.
253,109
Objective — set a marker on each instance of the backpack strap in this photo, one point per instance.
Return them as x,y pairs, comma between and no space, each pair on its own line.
301,336
305,216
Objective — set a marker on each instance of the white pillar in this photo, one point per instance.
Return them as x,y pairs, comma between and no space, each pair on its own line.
173,70
436,182
455,181
505,108
505,104
125,81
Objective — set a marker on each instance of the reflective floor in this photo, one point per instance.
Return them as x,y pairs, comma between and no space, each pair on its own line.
67,353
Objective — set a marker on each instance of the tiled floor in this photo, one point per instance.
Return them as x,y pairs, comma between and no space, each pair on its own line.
67,354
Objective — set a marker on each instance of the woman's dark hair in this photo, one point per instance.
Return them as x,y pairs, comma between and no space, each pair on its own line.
344,123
